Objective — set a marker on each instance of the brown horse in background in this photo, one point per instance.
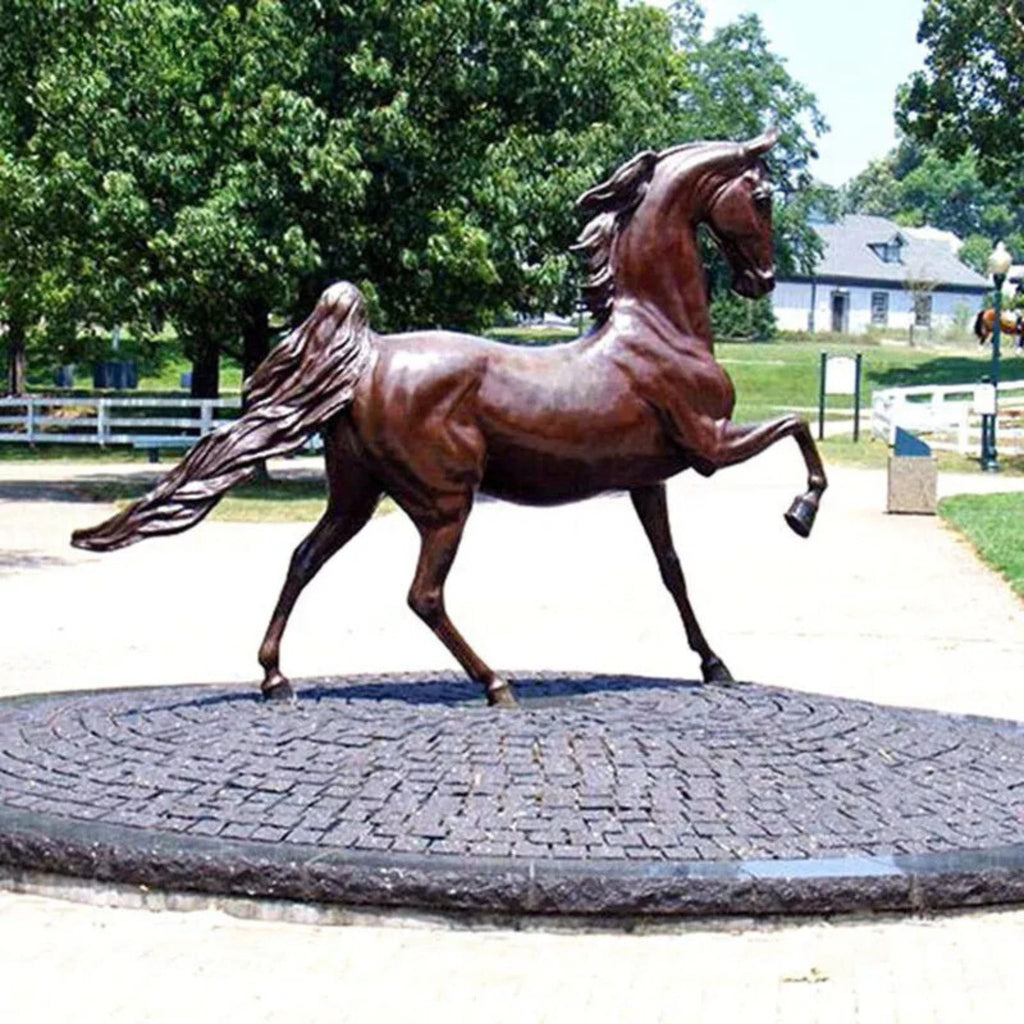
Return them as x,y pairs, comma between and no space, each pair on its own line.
433,417
1011,323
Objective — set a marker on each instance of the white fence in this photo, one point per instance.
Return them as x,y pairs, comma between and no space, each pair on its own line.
948,415
36,419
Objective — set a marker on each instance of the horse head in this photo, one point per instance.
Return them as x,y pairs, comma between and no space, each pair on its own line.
646,214
739,218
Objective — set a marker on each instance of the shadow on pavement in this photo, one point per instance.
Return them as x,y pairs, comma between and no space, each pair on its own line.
18,561
429,689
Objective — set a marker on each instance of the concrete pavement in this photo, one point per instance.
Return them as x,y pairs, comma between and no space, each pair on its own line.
891,609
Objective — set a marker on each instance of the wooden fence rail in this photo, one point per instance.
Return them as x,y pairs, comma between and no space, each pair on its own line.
947,415
37,419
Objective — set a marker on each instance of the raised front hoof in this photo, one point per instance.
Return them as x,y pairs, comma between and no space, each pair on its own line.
801,516
501,696
716,674
277,688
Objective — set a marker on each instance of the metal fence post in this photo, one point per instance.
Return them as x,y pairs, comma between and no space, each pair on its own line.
822,369
856,401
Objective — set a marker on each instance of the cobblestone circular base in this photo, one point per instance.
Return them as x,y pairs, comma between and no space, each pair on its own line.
603,795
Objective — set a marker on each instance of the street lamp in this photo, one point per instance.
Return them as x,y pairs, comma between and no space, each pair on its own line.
999,263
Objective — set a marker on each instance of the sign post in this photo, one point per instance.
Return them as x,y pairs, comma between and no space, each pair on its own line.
839,375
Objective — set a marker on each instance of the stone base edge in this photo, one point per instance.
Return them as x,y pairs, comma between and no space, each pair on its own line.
449,884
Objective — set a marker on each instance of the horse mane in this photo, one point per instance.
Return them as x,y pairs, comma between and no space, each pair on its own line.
611,206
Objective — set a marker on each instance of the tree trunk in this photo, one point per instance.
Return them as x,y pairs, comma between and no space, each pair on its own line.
255,337
16,360
206,368
255,348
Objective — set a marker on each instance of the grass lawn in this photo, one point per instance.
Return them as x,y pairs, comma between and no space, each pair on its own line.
168,377
994,525
11,452
870,454
534,334
278,501
776,377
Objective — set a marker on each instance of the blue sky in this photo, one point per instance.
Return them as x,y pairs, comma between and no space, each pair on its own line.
852,56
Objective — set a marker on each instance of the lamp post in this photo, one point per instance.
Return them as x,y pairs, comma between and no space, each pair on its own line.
999,263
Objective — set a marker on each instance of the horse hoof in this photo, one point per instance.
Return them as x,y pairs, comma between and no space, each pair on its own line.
715,673
279,690
800,516
501,696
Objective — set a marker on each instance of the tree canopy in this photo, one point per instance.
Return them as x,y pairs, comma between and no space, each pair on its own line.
210,165
970,94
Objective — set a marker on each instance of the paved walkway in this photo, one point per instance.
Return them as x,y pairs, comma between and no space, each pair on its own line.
891,609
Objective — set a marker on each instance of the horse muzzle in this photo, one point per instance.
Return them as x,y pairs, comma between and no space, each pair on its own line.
754,283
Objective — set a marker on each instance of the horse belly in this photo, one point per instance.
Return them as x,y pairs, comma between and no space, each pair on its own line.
568,433
549,474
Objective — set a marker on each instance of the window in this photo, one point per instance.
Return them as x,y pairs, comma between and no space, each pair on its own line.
891,251
922,311
879,309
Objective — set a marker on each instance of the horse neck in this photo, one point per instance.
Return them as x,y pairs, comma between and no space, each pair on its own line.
659,276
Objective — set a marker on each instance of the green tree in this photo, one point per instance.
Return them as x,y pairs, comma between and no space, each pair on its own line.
211,164
478,123
970,94
40,215
975,252
875,190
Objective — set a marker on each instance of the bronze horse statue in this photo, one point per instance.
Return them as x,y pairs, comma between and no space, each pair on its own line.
433,417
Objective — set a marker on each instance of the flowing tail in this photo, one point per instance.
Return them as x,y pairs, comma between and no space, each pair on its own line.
305,381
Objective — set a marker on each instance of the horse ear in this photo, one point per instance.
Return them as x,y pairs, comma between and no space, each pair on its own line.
756,148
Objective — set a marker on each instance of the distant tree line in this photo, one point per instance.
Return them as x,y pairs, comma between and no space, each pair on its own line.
197,170
957,166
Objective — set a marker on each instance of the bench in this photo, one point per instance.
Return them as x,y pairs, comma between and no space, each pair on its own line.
154,445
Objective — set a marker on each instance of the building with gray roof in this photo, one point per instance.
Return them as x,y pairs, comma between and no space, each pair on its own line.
874,273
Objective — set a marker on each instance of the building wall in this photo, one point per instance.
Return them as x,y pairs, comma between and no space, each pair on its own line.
792,303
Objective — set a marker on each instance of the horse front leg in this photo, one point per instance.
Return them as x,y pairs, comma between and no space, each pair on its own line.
734,444
652,508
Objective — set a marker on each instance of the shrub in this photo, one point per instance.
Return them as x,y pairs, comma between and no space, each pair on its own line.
741,319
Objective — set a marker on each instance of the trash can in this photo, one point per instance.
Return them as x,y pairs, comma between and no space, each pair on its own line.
117,374
913,476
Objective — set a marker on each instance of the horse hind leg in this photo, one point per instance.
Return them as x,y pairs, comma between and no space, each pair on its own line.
439,544
352,503
652,508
